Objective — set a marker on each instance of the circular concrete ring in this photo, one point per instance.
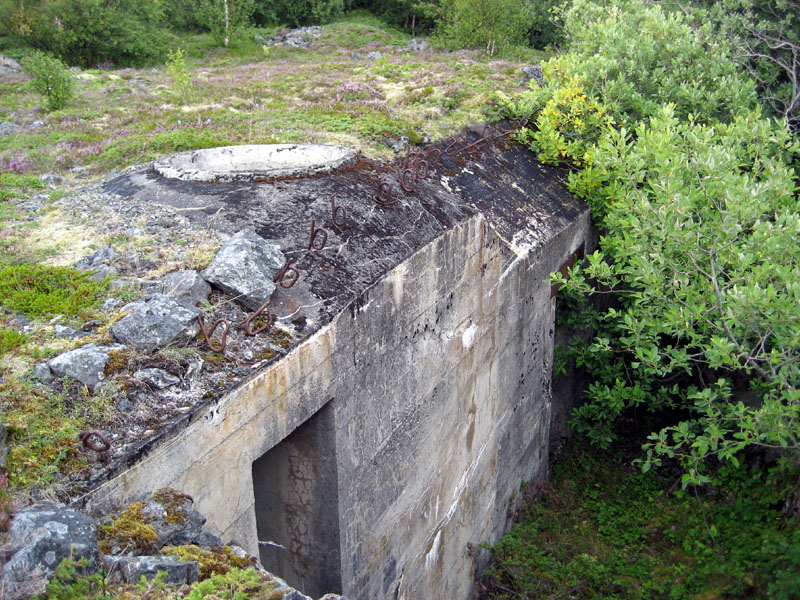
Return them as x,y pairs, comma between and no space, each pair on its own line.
251,162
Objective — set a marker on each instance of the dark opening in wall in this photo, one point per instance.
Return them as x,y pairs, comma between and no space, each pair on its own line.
296,503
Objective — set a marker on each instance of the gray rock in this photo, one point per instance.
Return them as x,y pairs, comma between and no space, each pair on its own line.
85,364
131,568
68,332
187,287
52,180
418,45
158,378
162,506
3,447
36,125
534,72
374,55
104,256
124,405
9,66
356,55
102,272
244,267
297,41
42,372
7,128
111,304
156,321
398,144
45,534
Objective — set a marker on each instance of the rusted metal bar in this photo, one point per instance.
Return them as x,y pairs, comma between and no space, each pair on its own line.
249,320
279,278
207,333
335,211
88,442
314,232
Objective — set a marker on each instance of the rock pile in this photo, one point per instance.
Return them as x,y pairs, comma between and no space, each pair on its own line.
160,533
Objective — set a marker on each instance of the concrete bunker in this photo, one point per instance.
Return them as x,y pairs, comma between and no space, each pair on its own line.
295,490
416,388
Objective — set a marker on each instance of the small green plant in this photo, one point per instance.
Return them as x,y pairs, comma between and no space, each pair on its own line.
179,71
37,289
10,339
71,582
51,78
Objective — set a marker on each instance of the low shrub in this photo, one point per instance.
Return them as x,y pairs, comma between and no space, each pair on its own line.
37,289
51,79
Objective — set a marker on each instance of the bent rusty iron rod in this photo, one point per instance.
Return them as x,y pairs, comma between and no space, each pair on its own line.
207,333
249,320
286,268
86,439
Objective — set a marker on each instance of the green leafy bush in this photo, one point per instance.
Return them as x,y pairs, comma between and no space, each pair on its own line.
695,194
37,289
10,339
51,79
179,71
493,26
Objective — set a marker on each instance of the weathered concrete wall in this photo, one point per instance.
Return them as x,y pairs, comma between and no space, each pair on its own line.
435,383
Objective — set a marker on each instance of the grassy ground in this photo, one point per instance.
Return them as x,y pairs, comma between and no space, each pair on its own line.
213,96
603,529
251,95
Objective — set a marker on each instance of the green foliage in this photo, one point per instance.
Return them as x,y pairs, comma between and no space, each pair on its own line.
43,433
10,339
88,32
493,26
416,16
71,582
695,194
602,530
766,36
296,13
237,584
223,17
36,289
179,71
51,79
542,16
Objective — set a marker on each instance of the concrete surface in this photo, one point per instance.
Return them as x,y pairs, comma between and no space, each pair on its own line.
416,399
252,162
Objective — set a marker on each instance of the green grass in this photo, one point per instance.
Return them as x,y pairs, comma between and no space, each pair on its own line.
602,529
11,339
36,289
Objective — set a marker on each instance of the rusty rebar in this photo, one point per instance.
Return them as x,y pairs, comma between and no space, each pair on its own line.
279,278
86,439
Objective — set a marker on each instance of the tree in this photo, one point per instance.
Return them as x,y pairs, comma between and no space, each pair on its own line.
765,35
87,32
223,17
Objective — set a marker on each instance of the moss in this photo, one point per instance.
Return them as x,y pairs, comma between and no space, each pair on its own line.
267,354
132,530
173,502
216,561
117,361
